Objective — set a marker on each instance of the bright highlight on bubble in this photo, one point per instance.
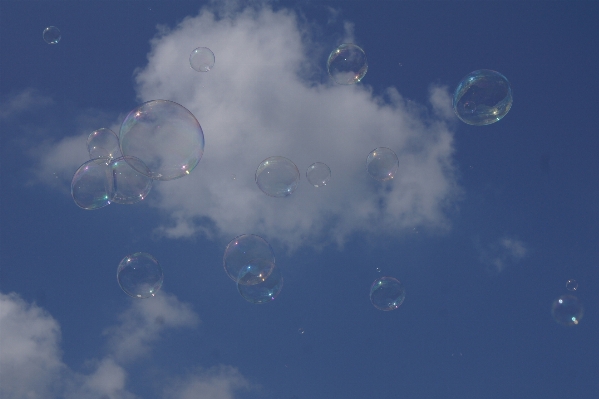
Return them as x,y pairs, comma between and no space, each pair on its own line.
567,310
244,250
201,59
572,285
103,143
140,275
130,186
482,97
51,35
165,136
382,164
318,174
387,293
92,185
347,64
255,272
265,291
277,177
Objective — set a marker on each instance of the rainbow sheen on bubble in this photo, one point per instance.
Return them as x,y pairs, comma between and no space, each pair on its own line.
347,64
567,310
318,174
382,164
387,293
265,291
140,275
103,143
255,272
92,185
482,97
51,35
165,136
243,250
129,185
277,177
201,59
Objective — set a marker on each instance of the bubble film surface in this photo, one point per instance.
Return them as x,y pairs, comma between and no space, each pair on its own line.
482,97
387,293
92,186
347,64
103,143
382,164
140,275
277,177
201,59
244,249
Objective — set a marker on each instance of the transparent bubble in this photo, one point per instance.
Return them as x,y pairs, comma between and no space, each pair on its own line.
277,177
301,331
382,164
567,310
165,136
347,64
255,272
201,59
103,143
92,186
572,285
387,293
265,291
318,174
482,97
244,249
51,35
130,186
140,275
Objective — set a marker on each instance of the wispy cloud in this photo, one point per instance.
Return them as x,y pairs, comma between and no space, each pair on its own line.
502,253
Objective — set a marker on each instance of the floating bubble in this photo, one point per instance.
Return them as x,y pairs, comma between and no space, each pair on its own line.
318,174
255,272
382,164
140,275
130,186
387,293
92,186
201,59
277,177
51,35
572,285
103,143
244,249
482,97
264,292
567,310
347,64
165,136
301,331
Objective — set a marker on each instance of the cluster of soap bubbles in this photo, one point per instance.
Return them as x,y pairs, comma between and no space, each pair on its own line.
567,309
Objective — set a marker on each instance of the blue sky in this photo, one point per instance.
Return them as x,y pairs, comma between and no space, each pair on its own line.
483,225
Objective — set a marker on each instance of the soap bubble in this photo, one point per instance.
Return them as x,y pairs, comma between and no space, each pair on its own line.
265,291
140,275
382,164
103,143
482,97
277,177
244,249
572,285
318,174
387,293
567,310
92,186
130,186
347,64
51,35
201,59
165,136
255,272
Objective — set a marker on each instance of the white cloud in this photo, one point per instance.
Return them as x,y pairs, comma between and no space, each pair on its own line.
23,101
502,253
217,383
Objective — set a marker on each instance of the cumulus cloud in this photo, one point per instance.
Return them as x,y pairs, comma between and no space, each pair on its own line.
502,253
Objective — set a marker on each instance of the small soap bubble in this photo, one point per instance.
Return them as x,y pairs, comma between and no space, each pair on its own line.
567,310
301,331
103,143
92,185
51,35
255,272
382,164
165,136
201,59
482,97
387,293
572,285
140,275
244,249
264,292
347,64
130,186
277,177
318,174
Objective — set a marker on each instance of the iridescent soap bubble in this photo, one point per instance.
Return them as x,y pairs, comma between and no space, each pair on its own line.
244,249
264,292
387,293
92,186
140,275
51,35
382,164
572,285
318,174
103,143
277,177
567,310
482,97
165,136
255,272
130,186
347,64
201,59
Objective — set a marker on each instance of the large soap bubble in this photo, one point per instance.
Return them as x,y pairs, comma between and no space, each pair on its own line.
201,59
103,143
347,64
130,186
382,164
165,136
140,275
244,249
567,310
387,293
277,177
482,97
51,35
318,174
265,291
92,185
